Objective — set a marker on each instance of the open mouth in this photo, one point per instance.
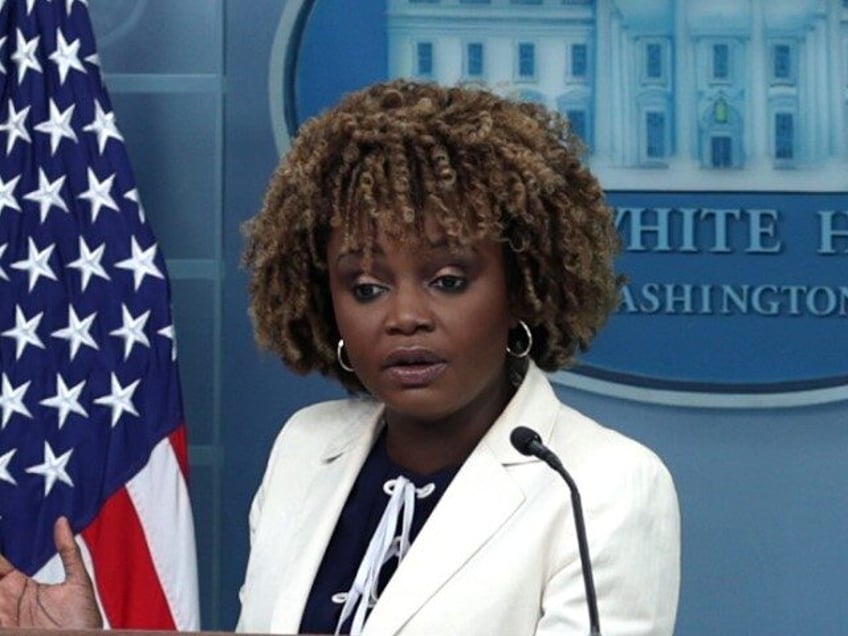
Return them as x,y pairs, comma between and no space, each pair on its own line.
414,368
411,358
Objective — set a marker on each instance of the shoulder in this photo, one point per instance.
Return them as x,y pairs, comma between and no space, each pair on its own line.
611,467
586,439
315,426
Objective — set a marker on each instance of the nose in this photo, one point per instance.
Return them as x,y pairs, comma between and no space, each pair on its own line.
409,310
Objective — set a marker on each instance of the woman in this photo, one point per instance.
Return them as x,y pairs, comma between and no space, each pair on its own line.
435,249
432,249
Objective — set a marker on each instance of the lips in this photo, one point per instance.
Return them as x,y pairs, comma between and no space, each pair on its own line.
414,366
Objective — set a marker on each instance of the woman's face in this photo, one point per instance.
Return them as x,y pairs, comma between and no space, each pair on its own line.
425,327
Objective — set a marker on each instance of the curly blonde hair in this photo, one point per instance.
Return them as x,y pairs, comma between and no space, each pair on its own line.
483,166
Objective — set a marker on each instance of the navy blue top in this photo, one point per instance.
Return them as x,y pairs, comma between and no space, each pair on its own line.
358,521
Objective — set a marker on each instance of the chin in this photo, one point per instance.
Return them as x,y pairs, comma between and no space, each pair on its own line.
417,404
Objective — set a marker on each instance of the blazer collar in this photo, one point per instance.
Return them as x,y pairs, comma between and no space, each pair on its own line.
534,405
479,500
328,487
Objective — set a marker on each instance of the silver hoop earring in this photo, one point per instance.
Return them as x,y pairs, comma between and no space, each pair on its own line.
339,350
523,353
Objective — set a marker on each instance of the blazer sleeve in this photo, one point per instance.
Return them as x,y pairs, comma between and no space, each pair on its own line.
633,530
255,514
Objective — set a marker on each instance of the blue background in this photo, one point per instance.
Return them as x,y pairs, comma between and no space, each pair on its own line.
763,493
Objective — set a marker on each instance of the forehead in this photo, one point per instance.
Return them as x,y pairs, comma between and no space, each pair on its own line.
389,230
431,243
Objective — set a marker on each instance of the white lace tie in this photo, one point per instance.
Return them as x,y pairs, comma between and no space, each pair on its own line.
383,546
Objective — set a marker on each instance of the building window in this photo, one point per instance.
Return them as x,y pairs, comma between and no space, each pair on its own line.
474,1
526,60
721,152
526,1
653,61
655,135
784,136
721,62
782,63
474,59
579,60
424,59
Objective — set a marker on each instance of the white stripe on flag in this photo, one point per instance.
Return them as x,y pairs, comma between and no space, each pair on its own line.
160,497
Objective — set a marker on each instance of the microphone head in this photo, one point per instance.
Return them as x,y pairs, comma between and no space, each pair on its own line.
522,438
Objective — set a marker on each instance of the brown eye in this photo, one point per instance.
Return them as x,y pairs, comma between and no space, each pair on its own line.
450,283
366,291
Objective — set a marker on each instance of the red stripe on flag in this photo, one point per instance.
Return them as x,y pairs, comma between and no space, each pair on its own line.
180,444
126,578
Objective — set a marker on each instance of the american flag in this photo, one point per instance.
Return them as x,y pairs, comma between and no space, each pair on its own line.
91,419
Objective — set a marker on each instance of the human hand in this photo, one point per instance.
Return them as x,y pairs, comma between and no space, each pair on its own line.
68,605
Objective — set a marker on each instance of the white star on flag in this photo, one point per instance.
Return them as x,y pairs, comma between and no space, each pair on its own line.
66,56
98,194
36,263
24,331
88,262
58,126
70,3
2,44
5,475
132,330
77,331
66,400
141,263
15,126
170,333
132,195
120,400
7,194
3,273
24,55
12,400
47,194
103,126
53,469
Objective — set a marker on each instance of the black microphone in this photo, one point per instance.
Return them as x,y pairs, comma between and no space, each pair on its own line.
528,442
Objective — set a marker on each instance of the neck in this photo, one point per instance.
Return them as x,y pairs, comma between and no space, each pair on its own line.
426,446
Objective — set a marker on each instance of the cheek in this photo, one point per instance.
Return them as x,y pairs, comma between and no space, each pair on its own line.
487,322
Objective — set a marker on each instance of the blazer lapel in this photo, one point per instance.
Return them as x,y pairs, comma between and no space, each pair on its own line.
479,500
326,493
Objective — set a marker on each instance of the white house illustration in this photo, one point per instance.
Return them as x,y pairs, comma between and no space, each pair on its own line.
667,94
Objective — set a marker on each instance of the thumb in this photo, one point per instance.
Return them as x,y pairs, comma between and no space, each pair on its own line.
68,551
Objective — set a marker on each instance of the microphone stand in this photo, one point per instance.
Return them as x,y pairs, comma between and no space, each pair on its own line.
528,442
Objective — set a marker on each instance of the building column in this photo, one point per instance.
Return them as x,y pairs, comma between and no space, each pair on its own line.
603,83
837,79
684,86
758,107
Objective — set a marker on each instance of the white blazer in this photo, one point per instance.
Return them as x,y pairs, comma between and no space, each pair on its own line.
499,554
